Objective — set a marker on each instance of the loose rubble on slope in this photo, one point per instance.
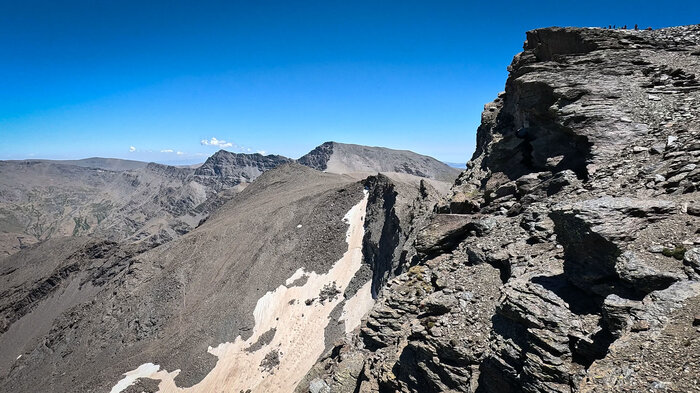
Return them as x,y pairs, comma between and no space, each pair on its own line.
567,258
85,315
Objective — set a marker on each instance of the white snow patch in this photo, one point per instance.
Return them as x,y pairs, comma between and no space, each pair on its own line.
299,226
142,371
299,328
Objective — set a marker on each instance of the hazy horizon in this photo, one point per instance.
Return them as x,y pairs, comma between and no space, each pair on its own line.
123,80
184,161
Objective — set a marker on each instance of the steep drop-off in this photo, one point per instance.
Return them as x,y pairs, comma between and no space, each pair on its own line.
567,257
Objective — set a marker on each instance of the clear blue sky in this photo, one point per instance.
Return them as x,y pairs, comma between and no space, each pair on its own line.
101,78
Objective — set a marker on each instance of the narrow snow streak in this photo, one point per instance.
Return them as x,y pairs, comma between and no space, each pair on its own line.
299,329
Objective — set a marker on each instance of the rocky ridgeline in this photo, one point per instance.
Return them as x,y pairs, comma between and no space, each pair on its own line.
567,258
153,203
225,169
337,157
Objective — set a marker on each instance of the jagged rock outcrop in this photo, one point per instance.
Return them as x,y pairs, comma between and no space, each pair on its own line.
566,258
394,211
225,169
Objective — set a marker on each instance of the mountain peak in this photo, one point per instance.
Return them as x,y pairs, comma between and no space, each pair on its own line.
338,157
235,168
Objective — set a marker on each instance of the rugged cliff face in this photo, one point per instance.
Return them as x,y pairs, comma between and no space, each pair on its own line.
225,169
567,258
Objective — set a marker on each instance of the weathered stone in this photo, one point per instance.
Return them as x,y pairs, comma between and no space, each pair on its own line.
319,386
438,303
694,209
584,289
642,276
692,258
445,231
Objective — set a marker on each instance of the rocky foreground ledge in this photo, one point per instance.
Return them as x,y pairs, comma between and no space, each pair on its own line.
568,257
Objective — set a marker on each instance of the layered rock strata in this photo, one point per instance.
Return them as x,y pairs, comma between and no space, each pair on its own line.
566,258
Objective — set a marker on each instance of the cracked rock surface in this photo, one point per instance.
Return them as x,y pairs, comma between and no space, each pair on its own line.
566,258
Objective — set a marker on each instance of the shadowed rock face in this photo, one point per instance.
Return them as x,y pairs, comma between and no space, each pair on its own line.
318,157
569,251
225,169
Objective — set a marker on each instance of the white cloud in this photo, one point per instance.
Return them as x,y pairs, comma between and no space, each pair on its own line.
263,152
180,153
216,142
167,151
132,149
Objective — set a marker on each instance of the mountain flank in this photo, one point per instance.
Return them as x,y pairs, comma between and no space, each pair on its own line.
225,169
277,273
110,164
337,157
123,200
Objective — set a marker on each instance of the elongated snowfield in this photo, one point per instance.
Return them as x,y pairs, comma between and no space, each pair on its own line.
299,329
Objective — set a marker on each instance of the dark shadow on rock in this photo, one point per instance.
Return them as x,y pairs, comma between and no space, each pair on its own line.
586,352
589,258
580,302
499,375
382,228
416,369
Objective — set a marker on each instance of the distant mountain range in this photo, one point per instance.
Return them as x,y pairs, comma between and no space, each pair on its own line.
110,164
160,263
147,202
